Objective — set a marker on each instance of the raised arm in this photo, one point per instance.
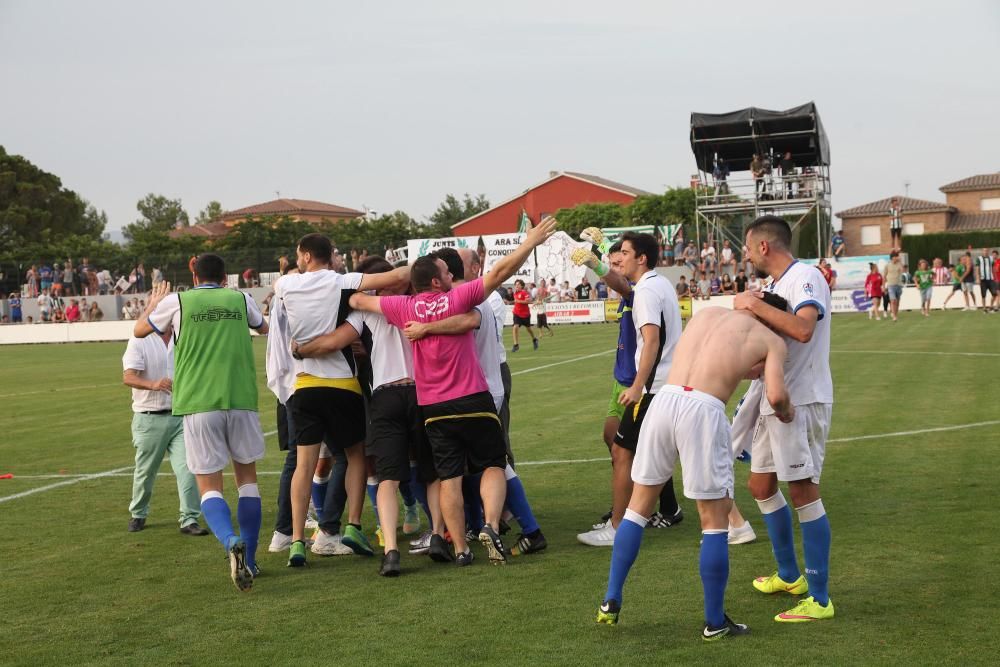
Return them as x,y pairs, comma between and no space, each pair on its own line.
320,346
614,280
143,327
450,326
395,279
509,265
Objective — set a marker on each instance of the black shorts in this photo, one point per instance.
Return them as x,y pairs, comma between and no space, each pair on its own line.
543,319
465,435
327,414
522,321
987,287
396,425
627,436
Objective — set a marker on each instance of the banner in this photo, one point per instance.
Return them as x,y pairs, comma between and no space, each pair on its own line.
499,246
419,247
553,260
612,234
850,272
565,312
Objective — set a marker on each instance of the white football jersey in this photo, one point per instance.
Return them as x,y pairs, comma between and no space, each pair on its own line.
655,302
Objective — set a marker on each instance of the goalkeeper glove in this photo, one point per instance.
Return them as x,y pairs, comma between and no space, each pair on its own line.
595,236
582,256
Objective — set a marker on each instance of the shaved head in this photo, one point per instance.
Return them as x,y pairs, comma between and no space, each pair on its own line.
470,258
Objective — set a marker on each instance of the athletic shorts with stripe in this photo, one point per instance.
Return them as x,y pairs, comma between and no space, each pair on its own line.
795,450
211,439
691,426
465,435
627,436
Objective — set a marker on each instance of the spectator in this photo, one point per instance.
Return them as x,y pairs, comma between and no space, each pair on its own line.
728,287
566,292
5,319
157,277
140,278
747,264
73,311
31,278
896,224
942,274
71,280
84,310
128,311
787,165
873,290
838,248
682,287
719,174
827,272
15,307
727,259
757,170
968,276
714,284
83,276
103,281
95,314
741,281
768,177
602,289
679,246
923,278
58,314
754,283
984,272
249,280
707,257
704,287
45,305
93,289
57,281
45,276
894,283
691,257
583,290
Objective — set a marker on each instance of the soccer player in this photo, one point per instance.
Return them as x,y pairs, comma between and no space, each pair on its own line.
793,452
687,421
396,421
489,347
522,314
923,278
656,317
327,404
148,370
215,390
460,417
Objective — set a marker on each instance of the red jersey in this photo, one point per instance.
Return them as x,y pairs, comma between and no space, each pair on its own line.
827,274
873,285
996,269
521,309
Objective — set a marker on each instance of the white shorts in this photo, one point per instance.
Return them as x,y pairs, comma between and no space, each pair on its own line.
690,425
211,439
796,450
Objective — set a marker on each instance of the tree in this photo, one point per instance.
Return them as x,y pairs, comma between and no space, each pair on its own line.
36,209
576,219
210,213
386,231
452,211
158,214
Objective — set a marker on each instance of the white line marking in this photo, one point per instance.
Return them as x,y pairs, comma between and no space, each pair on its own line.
899,434
73,478
559,363
49,391
67,482
939,354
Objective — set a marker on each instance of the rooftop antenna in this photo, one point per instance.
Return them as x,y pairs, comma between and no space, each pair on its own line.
278,193
906,186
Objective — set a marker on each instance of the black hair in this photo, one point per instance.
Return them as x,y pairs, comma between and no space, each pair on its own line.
772,299
643,245
616,247
450,256
317,245
773,229
210,268
373,264
423,271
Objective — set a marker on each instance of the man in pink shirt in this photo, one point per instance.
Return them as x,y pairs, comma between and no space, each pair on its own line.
459,414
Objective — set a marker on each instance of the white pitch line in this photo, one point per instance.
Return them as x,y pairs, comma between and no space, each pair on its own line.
560,363
49,391
67,482
69,478
937,354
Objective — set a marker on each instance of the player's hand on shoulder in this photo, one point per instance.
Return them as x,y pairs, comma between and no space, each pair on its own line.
747,300
415,330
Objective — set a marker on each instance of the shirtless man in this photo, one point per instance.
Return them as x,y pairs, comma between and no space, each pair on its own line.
687,421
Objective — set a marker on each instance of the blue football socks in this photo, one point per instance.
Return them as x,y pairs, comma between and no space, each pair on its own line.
319,485
628,539
778,519
218,517
816,548
713,564
517,502
248,516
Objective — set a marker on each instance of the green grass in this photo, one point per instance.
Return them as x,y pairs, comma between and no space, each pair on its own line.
914,532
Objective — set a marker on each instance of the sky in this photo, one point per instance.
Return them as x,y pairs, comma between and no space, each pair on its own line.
392,105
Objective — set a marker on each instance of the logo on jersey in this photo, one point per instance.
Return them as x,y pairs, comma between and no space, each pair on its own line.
808,289
216,314
428,309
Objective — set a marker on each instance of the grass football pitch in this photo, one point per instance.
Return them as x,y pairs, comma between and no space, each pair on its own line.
909,483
